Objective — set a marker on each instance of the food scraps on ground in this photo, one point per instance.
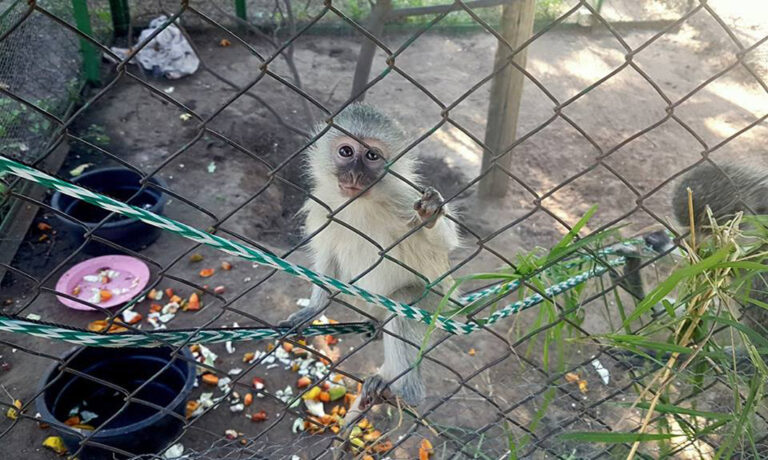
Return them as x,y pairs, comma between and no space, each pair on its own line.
572,377
225,265
425,449
101,325
259,416
13,411
56,444
206,272
193,304
210,379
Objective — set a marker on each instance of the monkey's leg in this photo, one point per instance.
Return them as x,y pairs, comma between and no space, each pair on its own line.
319,297
402,341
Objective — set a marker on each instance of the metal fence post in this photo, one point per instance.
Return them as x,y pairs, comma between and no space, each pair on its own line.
90,56
121,17
240,10
506,91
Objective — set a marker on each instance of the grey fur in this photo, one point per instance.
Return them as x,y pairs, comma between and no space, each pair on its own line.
742,188
727,190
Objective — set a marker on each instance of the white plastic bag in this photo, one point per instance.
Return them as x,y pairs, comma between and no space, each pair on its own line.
169,54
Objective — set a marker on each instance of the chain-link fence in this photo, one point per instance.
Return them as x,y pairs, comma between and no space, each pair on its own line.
573,110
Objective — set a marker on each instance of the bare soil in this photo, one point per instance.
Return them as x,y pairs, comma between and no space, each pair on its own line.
246,198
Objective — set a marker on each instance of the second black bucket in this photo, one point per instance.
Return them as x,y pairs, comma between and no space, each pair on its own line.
120,184
138,428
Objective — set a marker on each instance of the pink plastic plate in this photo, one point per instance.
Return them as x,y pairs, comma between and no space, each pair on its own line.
123,276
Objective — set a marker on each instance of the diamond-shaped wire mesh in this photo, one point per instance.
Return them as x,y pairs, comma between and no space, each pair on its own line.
613,112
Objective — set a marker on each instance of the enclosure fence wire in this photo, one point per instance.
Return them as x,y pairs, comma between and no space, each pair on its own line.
474,415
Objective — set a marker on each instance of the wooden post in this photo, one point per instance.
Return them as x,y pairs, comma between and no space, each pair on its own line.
506,92
374,25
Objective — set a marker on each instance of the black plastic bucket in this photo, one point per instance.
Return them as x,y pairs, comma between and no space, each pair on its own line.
138,428
120,184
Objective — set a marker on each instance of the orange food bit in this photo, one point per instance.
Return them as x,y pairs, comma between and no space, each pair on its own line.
247,399
224,43
191,407
43,227
137,318
247,357
471,352
331,340
76,290
210,379
572,377
193,304
169,292
206,272
100,325
104,295
259,416
325,396
287,346
425,449
155,308
383,446
42,238
303,382
226,265
338,378
175,299
325,385
72,421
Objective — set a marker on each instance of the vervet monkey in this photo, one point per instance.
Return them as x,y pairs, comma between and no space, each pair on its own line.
341,168
727,190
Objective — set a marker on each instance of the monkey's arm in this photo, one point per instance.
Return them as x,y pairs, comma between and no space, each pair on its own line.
325,264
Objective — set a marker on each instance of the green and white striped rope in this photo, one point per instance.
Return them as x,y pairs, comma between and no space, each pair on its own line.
207,336
264,258
503,288
178,337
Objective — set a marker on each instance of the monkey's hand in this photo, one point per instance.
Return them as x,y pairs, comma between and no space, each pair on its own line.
429,206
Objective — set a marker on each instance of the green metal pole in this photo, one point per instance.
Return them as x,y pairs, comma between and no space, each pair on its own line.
240,9
121,17
90,56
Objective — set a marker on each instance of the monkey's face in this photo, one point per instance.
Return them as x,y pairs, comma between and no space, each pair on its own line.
357,165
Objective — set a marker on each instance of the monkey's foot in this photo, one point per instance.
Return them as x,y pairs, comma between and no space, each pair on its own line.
298,318
374,392
429,206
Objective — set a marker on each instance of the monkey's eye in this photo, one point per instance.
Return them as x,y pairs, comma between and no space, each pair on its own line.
346,151
371,155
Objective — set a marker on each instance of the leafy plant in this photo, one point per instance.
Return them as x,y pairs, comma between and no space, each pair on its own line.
697,338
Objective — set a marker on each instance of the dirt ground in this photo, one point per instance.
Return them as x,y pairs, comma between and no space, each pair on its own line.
145,131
